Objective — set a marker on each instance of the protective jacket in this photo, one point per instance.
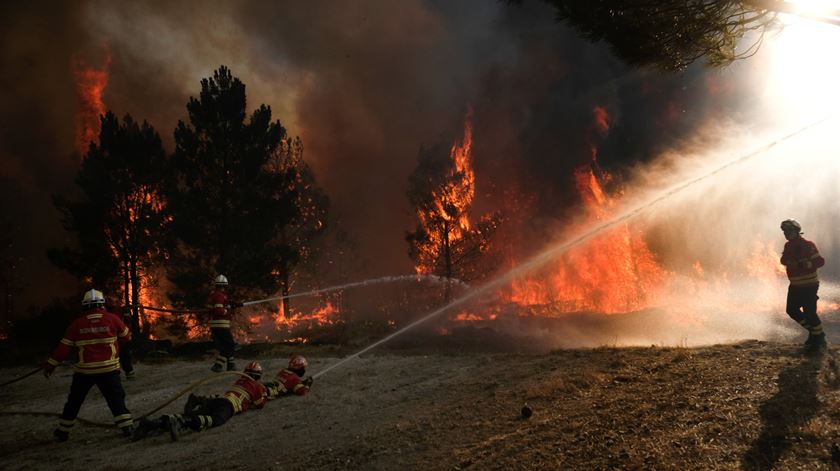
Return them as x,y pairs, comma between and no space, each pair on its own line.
246,392
220,315
287,382
801,260
97,336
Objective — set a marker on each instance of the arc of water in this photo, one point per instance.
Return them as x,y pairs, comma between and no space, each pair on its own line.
357,284
552,252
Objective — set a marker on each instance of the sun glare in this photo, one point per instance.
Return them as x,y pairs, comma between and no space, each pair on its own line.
805,68
816,7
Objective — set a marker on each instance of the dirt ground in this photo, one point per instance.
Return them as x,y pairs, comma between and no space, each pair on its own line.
751,405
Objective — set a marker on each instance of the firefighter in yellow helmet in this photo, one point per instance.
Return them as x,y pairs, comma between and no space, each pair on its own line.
801,260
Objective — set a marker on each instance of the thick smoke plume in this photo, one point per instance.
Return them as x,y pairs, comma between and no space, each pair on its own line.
365,84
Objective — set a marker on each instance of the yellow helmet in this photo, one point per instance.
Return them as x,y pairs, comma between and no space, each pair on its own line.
93,298
220,280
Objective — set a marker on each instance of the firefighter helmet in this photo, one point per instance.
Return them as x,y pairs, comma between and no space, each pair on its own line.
254,370
297,362
790,225
93,298
221,280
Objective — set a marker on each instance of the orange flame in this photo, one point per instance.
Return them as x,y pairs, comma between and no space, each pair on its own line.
614,272
456,196
90,84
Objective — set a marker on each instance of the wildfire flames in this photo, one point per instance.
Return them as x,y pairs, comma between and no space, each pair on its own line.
452,198
90,84
615,272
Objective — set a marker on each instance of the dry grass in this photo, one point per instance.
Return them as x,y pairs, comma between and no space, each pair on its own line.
748,406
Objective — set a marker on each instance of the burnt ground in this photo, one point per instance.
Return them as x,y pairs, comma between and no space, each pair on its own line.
750,405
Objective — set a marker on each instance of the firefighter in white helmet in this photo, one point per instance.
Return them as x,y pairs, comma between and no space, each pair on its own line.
97,335
801,260
221,314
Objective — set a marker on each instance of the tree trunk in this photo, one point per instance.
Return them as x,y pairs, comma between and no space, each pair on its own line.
447,262
135,301
284,291
284,278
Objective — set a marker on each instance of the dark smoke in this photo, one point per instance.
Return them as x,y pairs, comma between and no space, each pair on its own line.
365,84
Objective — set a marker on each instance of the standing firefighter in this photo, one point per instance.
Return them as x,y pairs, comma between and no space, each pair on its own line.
201,413
221,313
97,335
801,260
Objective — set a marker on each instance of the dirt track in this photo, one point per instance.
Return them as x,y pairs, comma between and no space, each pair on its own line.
752,405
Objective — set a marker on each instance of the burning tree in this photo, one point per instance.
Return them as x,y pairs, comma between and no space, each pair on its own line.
121,222
310,219
231,208
441,190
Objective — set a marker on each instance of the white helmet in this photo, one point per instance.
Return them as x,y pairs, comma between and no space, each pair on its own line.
93,298
792,226
221,280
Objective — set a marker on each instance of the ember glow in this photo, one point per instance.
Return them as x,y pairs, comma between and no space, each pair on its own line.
90,84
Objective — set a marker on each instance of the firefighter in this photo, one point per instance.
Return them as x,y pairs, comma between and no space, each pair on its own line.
113,306
801,260
221,313
97,335
203,413
288,380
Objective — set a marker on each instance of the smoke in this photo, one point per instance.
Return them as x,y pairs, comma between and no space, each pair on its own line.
366,84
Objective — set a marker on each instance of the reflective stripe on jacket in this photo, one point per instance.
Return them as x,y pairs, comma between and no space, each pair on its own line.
97,336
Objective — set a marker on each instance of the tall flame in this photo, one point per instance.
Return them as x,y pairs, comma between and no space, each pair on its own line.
90,84
614,272
454,197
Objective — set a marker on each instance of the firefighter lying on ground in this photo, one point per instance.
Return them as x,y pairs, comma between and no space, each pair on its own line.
97,335
288,380
801,260
200,414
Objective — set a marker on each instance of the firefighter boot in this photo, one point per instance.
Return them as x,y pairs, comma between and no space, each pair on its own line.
147,428
174,424
815,343
194,404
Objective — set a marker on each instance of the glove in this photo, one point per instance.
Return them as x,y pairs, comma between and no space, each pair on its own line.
47,369
805,264
308,381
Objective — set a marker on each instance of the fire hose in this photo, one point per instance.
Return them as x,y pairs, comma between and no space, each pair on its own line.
82,420
22,377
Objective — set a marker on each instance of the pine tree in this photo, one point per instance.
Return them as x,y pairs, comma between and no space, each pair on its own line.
230,207
122,220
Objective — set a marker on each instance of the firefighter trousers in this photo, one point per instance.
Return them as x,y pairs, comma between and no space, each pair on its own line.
802,305
223,340
109,385
213,413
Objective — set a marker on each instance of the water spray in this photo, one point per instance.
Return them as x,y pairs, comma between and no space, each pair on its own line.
556,250
355,284
359,284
